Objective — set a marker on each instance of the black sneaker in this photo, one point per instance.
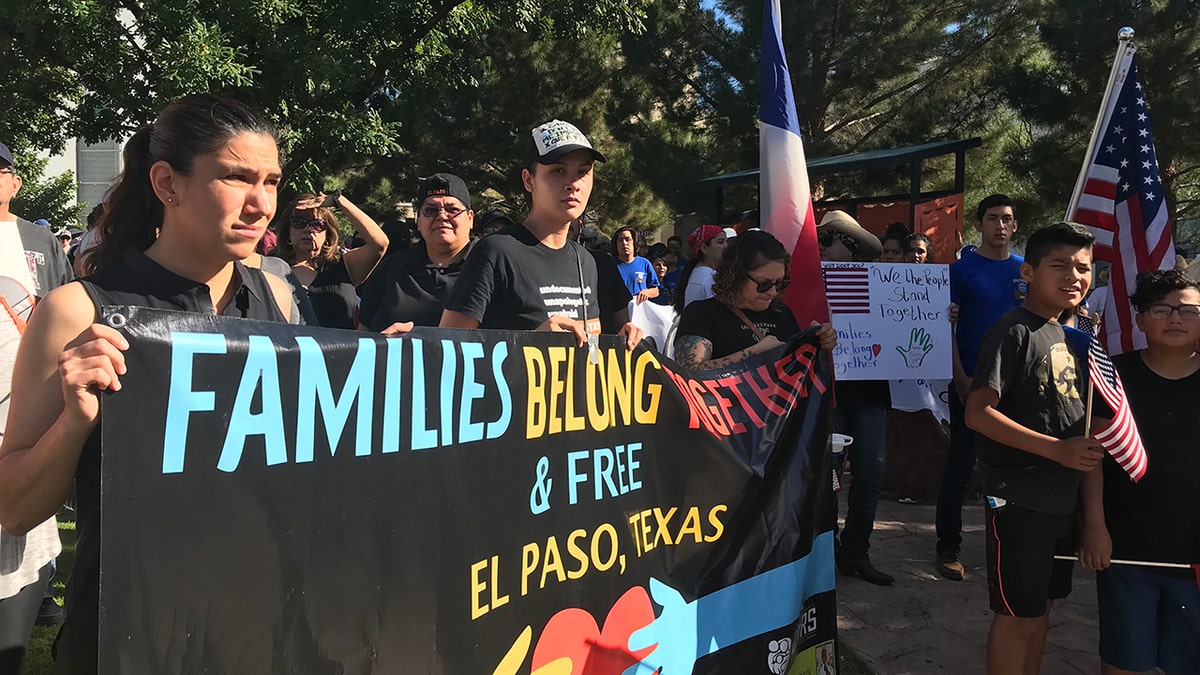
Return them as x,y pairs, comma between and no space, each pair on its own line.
949,566
50,613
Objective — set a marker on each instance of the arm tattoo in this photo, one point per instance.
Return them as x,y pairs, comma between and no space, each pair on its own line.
694,352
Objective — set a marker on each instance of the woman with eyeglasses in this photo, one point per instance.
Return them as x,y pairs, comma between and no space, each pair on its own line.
746,315
308,241
410,289
197,193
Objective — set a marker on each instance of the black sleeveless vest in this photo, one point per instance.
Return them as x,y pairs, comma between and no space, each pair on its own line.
141,282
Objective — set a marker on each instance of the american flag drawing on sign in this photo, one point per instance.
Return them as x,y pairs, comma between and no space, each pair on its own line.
1120,436
1119,197
848,290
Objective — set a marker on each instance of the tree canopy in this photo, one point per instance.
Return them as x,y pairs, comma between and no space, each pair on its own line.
372,94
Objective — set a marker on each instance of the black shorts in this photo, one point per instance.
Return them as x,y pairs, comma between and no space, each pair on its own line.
1022,572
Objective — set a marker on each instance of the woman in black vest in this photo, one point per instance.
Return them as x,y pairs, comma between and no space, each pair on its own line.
197,193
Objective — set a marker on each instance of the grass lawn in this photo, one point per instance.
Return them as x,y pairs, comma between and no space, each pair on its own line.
38,661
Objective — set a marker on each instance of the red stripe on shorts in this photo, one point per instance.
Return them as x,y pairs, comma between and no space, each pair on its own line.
999,576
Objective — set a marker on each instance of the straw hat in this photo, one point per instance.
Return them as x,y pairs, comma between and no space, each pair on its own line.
869,247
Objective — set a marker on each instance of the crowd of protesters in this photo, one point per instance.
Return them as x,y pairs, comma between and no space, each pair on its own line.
193,224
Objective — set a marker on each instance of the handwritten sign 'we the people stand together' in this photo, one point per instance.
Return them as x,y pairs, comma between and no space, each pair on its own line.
891,319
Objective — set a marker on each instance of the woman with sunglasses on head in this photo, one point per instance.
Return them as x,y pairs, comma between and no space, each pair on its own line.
197,193
308,241
746,315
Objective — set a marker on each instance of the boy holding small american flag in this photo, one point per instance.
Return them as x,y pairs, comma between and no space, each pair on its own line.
1150,615
1027,408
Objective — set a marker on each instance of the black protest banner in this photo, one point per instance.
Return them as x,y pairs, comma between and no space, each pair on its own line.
278,499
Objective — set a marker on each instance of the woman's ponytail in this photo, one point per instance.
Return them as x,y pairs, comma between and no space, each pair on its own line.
132,212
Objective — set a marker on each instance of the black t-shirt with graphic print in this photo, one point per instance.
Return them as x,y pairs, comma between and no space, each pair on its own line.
512,281
1028,360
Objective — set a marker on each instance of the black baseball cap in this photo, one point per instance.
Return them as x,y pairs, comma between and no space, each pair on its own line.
443,184
496,216
556,139
6,158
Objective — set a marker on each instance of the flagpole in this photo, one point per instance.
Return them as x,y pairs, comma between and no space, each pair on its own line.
1139,563
1087,419
1125,43
1087,413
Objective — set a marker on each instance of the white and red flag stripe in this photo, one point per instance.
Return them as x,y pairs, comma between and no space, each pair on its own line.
785,200
848,289
1119,197
1119,436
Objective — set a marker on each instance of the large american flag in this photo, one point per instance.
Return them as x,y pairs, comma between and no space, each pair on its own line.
785,200
1119,436
1120,199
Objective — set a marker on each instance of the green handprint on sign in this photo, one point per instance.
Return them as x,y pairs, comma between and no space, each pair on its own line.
920,343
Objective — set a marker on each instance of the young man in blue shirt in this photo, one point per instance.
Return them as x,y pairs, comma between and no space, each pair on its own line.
985,284
637,272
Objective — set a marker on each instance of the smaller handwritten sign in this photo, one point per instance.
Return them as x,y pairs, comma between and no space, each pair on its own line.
892,320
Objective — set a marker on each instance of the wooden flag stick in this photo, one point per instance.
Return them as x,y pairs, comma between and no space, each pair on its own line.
1139,563
1087,414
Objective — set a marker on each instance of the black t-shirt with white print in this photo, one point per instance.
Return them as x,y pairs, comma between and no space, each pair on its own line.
512,281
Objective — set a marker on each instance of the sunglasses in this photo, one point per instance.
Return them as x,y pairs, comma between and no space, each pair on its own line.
827,240
764,286
310,224
452,212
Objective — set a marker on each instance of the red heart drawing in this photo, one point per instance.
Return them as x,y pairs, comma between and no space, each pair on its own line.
875,349
572,633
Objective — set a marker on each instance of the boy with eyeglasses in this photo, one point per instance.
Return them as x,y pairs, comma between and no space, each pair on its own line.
984,285
410,288
532,276
1150,617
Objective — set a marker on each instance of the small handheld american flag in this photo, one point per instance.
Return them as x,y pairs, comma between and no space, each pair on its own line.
1120,436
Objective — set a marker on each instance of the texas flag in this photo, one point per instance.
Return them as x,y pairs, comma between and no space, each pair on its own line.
784,197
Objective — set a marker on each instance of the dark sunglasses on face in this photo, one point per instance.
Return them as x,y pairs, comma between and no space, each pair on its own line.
827,240
764,286
311,224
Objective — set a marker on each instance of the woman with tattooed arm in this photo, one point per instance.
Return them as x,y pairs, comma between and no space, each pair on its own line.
746,316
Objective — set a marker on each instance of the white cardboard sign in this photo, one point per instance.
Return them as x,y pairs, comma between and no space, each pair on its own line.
891,319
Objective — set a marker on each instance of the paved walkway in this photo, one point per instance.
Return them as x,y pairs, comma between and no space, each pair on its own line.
927,624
